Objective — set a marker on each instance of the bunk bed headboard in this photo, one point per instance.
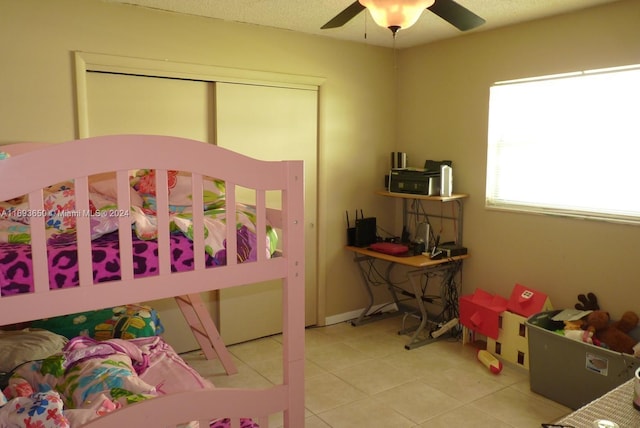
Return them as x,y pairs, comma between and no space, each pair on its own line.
29,170
33,167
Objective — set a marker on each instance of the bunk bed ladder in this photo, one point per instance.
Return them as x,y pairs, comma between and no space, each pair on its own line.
205,331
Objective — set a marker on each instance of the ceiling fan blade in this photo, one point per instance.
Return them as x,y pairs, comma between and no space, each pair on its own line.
345,16
458,16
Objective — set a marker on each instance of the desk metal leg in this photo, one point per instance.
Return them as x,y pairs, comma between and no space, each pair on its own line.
366,317
420,337
419,334
414,279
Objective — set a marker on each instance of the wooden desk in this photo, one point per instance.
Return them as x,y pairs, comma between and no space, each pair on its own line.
421,265
419,261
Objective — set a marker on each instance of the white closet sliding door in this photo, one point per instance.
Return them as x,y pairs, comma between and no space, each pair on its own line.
270,123
124,103
129,104
118,95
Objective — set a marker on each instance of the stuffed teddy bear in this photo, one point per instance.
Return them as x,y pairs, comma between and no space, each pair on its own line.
614,335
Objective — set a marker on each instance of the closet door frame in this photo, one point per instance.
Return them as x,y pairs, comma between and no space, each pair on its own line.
86,62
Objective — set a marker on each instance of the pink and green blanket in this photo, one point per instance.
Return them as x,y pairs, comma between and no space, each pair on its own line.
91,378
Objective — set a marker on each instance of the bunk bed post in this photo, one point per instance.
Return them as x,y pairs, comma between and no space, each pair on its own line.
293,295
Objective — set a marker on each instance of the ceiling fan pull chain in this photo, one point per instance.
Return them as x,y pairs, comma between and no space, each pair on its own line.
366,21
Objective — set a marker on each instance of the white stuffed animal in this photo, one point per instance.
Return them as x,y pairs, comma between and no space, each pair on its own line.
580,335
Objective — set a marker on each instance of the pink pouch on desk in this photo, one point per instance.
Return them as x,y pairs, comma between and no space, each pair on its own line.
389,248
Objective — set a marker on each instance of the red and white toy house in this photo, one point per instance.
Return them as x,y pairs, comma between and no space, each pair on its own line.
503,321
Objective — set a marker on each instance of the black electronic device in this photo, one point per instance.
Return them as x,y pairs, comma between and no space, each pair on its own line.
436,166
416,181
364,233
452,250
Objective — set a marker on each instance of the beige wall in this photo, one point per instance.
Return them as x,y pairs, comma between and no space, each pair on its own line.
356,127
443,114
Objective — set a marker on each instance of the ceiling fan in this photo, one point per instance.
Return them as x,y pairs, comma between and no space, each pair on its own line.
397,14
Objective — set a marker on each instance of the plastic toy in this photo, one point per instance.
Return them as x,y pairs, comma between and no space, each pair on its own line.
585,336
576,330
492,363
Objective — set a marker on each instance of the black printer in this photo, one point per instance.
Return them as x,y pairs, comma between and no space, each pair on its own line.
417,181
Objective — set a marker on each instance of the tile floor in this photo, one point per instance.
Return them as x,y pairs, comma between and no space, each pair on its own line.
363,377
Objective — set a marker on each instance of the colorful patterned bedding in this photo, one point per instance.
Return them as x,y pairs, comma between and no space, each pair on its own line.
60,220
16,267
90,378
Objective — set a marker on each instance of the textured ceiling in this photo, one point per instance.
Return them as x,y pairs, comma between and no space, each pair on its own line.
307,16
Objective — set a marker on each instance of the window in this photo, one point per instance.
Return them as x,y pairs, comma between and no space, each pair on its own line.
567,145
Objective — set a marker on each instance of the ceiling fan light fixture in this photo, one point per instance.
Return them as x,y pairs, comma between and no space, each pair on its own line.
396,14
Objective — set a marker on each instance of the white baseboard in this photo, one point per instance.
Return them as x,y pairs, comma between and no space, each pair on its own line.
347,316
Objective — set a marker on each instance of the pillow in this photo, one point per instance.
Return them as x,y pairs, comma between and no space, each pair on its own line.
17,347
125,322
14,232
105,184
179,183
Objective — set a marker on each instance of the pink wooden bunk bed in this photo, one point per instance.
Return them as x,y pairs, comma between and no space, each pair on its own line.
29,170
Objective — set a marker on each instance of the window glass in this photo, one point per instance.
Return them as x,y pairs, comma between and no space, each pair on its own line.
567,145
